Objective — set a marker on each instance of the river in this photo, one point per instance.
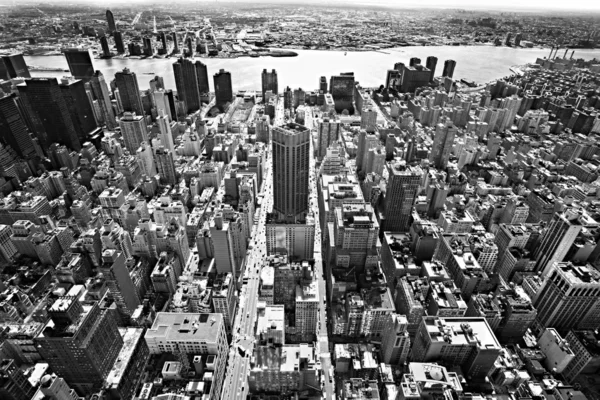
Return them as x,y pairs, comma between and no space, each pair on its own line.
477,63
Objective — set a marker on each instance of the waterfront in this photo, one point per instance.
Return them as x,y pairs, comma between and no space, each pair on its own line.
477,63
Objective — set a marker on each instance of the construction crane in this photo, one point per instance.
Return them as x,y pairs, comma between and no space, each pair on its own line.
137,18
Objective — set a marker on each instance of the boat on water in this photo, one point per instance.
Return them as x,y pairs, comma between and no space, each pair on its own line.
283,53
345,53
47,69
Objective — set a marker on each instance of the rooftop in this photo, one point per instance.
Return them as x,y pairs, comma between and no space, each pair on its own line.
186,326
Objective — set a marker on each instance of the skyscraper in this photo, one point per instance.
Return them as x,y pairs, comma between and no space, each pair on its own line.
557,240
269,82
202,77
401,192
431,64
111,21
14,385
395,344
449,66
104,45
134,131
567,295
121,287
80,63
13,66
82,114
329,130
442,144
291,163
223,88
129,91
47,102
341,88
165,165
13,127
102,95
323,84
186,81
175,43
118,36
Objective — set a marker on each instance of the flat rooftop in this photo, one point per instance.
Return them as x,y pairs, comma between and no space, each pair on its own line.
186,326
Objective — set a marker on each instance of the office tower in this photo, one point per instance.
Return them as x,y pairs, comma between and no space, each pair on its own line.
165,134
297,240
102,95
129,91
110,19
412,77
55,388
118,36
201,335
223,88
13,127
81,342
80,63
45,98
468,342
586,346
356,231
163,41
414,61
202,77
175,43
567,295
161,102
449,66
557,240
14,385
442,144
401,192
148,50
133,130
105,47
395,342
165,165
186,81
291,163
13,66
341,88
121,287
431,64
269,82
323,84
518,39
307,308
156,83
80,108
368,120
329,131
189,43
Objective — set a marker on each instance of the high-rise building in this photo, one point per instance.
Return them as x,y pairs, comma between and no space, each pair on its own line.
449,66
567,295
165,165
341,88
118,36
323,84
13,66
121,287
329,132
81,341
586,346
129,91
395,342
175,43
291,163
269,82
186,81
202,77
45,99
80,63
431,64
133,130
223,88
402,189
307,308
14,385
110,19
442,144
102,95
557,240
105,47
464,341
80,108
13,127
55,388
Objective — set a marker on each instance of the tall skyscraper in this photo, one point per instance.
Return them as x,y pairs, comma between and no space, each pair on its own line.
341,88
202,77
186,81
395,344
81,342
118,36
323,84
329,131
449,66
269,82
111,21
557,240
102,95
431,64
134,131
121,287
13,127
442,144
47,102
223,88
129,91
104,45
291,163
414,61
401,192
80,108
13,66
175,43
567,295
166,165
80,63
